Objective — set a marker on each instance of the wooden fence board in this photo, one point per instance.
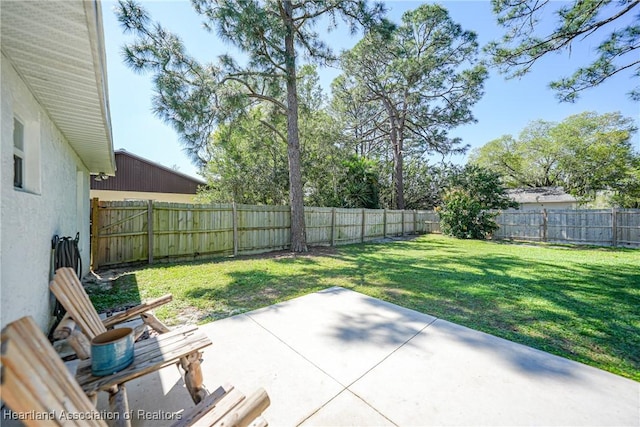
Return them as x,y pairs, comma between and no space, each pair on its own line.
394,223
430,221
318,224
374,225
524,225
628,227
122,233
263,227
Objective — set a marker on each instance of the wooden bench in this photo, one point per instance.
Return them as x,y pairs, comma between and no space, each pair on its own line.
69,291
39,389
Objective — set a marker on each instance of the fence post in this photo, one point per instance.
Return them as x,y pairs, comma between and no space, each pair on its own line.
384,223
362,229
415,221
545,220
402,220
150,231
333,227
234,220
95,229
614,227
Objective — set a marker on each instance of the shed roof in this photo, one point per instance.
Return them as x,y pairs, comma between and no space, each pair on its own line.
541,195
136,173
57,47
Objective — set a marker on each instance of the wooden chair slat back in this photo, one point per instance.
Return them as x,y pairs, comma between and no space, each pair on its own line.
69,291
36,383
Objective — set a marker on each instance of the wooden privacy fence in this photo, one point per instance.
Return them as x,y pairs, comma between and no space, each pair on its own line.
610,227
605,227
138,231
134,231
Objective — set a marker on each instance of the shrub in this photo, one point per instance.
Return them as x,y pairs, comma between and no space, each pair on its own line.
462,216
466,207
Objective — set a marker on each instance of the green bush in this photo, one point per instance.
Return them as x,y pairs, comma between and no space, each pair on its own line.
467,204
463,216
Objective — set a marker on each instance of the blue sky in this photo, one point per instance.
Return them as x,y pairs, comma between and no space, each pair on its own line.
506,108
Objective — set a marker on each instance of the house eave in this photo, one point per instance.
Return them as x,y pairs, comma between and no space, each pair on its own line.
57,48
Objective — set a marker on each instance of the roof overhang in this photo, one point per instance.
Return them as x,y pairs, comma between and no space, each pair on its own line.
57,47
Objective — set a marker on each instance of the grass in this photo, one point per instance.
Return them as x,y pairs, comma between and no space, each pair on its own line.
579,303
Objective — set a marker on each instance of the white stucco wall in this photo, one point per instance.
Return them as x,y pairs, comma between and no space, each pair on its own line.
548,205
110,195
57,202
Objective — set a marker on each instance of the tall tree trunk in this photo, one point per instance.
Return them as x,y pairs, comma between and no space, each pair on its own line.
298,233
398,182
399,173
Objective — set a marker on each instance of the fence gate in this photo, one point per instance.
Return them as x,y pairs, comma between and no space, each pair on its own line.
121,232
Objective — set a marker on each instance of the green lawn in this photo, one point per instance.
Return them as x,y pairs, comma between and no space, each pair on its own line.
580,303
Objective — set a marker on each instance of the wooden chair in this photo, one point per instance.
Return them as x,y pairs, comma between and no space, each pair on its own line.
69,291
181,345
39,389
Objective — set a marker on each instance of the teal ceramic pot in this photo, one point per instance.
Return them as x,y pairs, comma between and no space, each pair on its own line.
111,351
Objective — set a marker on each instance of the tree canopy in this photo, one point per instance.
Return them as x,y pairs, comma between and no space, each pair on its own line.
419,80
527,39
584,153
246,148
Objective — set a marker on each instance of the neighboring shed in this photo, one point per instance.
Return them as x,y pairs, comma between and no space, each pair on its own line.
543,198
140,179
56,132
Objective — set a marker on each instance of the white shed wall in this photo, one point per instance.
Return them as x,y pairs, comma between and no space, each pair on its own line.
110,195
56,201
548,205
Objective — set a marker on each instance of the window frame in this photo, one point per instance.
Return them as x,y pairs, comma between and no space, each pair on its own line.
19,154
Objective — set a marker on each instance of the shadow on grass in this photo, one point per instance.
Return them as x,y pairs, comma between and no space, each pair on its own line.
573,307
587,312
114,295
584,311
255,288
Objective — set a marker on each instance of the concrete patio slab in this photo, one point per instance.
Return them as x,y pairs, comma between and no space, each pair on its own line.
339,358
342,332
346,409
452,375
246,355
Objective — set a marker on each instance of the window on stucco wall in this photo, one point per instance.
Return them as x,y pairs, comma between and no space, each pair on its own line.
26,151
18,153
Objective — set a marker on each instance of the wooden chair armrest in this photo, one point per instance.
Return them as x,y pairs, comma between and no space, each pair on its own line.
64,328
259,422
67,330
207,404
136,311
226,406
248,411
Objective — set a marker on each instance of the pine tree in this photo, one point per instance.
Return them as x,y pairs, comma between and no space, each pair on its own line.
195,97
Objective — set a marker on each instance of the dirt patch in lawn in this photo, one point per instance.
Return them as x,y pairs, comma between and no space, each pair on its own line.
313,251
319,250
